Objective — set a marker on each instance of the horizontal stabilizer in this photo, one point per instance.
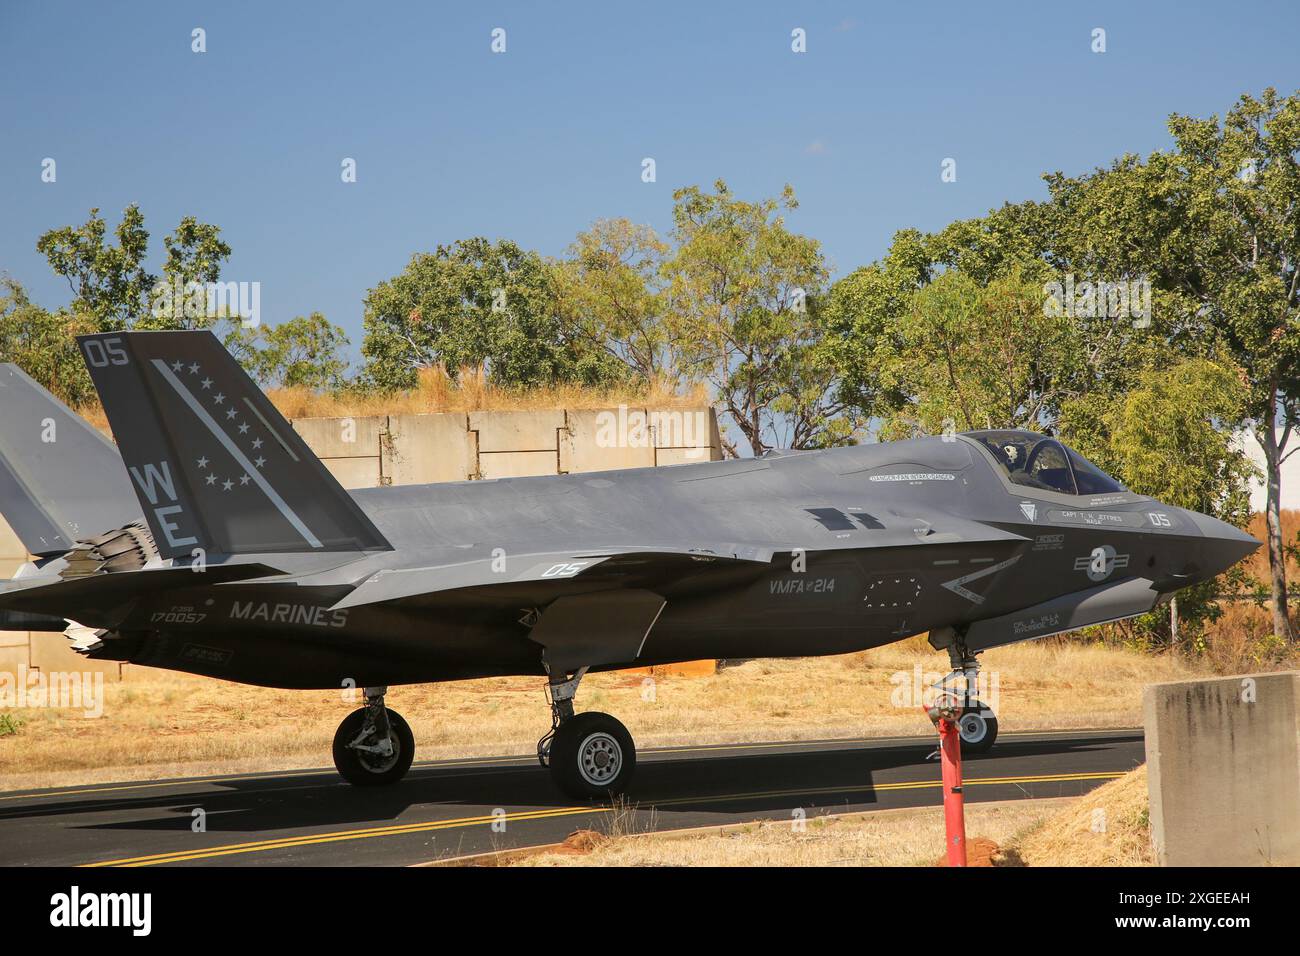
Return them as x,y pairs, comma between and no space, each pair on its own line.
52,594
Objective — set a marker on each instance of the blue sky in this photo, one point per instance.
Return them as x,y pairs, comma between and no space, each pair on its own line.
452,140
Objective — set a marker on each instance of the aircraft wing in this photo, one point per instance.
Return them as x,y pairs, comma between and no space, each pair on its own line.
634,566
638,566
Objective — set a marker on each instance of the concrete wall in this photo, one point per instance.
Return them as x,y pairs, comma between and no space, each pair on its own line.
1223,764
367,451
48,653
417,449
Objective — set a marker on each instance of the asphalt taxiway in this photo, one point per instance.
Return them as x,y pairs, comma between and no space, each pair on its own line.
450,808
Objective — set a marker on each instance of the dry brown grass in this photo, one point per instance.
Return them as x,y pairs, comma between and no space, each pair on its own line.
1108,827
912,837
437,392
178,725
1257,564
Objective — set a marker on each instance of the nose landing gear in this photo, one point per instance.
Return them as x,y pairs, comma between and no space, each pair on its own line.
373,745
590,755
977,724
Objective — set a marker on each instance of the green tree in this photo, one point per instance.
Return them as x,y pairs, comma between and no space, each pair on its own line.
1171,437
611,295
744,303
108,282
966,356
475,304
305,352
43,344
1215,223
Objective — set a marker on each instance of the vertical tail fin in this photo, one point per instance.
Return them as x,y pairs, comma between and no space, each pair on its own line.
60,479
214,465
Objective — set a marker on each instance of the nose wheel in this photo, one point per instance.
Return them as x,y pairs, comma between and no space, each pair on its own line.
978,727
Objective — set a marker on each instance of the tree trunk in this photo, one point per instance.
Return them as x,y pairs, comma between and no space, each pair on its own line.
1273,519
1173,621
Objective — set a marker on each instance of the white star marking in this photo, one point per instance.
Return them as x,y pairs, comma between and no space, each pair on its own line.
176,366
244,479
227,485
194,369
206,383
212,479
260,462
243,428
231,414
257,443
219,398
203,463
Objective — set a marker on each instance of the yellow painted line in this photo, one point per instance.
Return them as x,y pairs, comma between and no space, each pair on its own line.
911,785
361,834
528,758
403,829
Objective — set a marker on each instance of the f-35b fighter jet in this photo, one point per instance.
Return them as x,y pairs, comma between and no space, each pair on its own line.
211,540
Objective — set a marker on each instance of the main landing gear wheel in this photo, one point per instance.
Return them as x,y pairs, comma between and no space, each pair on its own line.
373,748
979,728
592,756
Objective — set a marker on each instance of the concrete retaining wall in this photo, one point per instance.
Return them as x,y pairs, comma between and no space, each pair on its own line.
1223,765
367,451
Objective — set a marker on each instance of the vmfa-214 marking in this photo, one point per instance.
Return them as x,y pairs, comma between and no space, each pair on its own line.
212,540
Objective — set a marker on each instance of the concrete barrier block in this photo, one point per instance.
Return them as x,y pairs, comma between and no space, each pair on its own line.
682,456
342,437
422,449
1223,770
10,547
705,668
518,464
517,431
355,472
9,566
682,427
52,653
605,439
14,660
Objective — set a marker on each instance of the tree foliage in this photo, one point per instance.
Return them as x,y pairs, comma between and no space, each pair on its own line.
744,293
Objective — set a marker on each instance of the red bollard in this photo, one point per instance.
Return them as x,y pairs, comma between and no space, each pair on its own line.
954,803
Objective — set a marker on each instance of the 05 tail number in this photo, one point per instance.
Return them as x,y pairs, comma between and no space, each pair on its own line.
101,353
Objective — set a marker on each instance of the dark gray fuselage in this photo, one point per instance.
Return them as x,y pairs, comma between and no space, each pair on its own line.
796,554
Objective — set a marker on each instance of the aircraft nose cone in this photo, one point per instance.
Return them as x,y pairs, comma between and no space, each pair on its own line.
1228,545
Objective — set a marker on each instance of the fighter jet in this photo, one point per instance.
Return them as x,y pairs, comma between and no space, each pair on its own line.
212,541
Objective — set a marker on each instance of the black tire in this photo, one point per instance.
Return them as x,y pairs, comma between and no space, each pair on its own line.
979,728
369,770
592,756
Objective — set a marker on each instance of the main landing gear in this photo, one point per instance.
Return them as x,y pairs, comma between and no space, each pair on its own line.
590,755
978,724
373,746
